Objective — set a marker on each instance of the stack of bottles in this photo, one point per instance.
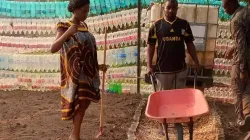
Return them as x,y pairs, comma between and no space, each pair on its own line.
118,20
112,21
18,9
122,50
12,44
120,38
123,80
126,56
220,94
13,80
223,16
222,66
30,62
27,63
29,26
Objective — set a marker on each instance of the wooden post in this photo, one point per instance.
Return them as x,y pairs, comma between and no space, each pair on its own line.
139,47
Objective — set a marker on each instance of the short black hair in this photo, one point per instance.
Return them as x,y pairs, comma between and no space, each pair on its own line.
172,1
76,4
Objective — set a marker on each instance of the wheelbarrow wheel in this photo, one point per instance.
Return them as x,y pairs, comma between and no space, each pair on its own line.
179,129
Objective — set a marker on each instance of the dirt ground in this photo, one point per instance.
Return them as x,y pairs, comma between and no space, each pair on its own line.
226,111
36,116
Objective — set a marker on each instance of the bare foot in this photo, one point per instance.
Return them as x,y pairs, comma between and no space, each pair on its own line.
72,138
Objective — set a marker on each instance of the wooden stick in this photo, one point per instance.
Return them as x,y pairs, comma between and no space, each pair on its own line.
103,83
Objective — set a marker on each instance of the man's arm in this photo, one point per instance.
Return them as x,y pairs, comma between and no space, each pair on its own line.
189,38
150,55
152,39
192,51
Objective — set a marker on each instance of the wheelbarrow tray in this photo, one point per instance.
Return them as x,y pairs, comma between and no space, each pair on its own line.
176,106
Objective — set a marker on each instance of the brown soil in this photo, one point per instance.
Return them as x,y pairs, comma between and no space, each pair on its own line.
36,116
228,118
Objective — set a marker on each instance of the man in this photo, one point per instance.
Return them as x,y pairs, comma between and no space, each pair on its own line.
171,33
240,29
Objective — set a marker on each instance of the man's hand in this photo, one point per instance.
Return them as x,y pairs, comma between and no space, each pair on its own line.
244,76
197,68
151,70
229,53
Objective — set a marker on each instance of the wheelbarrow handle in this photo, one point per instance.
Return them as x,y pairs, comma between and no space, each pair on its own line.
195,79
152,76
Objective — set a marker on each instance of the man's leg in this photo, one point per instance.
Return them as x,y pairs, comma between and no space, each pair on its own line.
238,87
246,99
246,108
164,82
181,79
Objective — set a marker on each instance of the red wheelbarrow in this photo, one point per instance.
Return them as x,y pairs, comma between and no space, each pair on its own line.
178,106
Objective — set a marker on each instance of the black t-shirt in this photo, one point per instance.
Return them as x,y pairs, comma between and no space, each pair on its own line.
171,48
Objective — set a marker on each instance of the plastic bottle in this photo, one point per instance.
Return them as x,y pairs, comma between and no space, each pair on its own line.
108,6
127,3
98,7
63,9
123,56
114,58
92,7
8,9
103,6
117,4
122,3
113,5
1,61
133,54
53,9
57,8
3,8
43,10
119,88
133,2
38,9
112,87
